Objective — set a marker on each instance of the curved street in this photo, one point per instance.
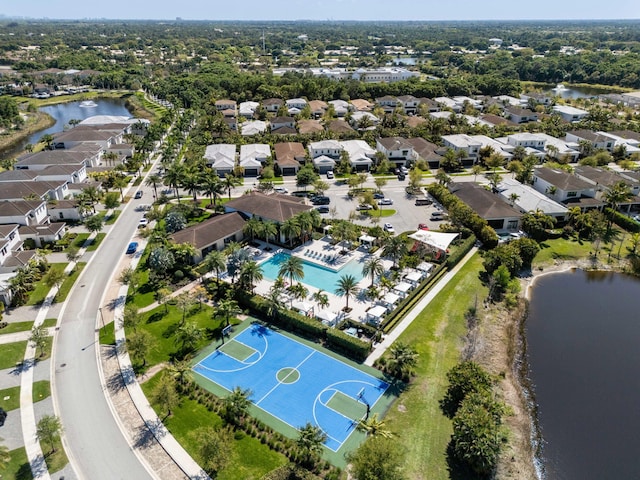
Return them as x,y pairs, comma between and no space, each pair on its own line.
94,441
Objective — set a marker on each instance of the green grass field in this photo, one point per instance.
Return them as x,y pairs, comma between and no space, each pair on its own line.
18,467
13,400
107,334
96,242
12,354
65,288
41,390
251,460
423,431
39,293
16,327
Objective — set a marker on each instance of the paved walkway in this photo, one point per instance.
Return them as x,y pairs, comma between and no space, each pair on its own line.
388,340
20,337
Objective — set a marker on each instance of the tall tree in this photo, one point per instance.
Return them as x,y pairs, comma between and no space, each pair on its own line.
48,430
373,266
292,267
347,287
236,405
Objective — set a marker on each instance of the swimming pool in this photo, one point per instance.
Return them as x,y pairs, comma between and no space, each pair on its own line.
314,275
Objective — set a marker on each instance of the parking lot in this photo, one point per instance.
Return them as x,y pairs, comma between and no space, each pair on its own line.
407,215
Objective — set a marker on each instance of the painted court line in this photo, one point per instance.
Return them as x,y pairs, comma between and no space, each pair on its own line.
280,382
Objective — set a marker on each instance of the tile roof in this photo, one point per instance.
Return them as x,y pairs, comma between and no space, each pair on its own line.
274,207
210,231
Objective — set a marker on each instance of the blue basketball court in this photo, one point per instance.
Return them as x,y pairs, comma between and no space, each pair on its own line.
294,382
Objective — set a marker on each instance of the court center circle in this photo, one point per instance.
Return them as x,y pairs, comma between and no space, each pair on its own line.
288,375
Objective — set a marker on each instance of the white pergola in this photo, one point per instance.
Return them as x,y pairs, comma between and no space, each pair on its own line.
375,314
327,317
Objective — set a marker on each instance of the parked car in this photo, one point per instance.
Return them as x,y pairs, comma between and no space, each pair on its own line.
280,190
365,206
385,201
423,201
323,209
423,226
330,174
437,216
401,176
144,221
320,200
388,228
133,246
378,195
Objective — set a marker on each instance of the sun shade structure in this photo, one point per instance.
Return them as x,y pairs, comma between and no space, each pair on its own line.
439,240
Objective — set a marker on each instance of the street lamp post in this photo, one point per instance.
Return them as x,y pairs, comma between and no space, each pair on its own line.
101,316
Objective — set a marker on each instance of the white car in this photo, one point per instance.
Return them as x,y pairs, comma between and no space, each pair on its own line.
385,201
330,174
280,190
144,221
388,228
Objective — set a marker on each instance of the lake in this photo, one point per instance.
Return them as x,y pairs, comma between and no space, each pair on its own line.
63,112
582,336
576,92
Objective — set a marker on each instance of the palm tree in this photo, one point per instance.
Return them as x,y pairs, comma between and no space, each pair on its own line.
273,302
321,298
227,308
174,176
229,182
402,360
310,441
269,230
374,427
212,186
252,228
216,261
188,336
395,248
619,193
290,228
373,266
347,287
236,405
250,273
192,182
152,181
292,267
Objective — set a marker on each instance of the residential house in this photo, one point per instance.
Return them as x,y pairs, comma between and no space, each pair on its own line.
272,105
537,98
226,104
50,158
323,163
10,241
361,155
248,109
65,210
449,104
361,105
253,157
76,136
604,179
631,145
282,122
318,108
254,127
463,143
428,105
388,103
330,148
357,119
520,115
566,188
340,107
426,151
221,157
309,127
501,216
296,105
212,234
409,104
289,156
575,139
63,173
396,149
339,127
570,114
23,212
527,199
44,190
44,234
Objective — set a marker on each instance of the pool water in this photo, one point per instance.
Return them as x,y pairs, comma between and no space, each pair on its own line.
314,275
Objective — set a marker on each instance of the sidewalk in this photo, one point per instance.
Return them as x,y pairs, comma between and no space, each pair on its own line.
21,336
416,310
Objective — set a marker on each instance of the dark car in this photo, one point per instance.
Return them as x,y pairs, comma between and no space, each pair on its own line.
423,201
378,195
133,246
401,176
323,209
138,194
320,200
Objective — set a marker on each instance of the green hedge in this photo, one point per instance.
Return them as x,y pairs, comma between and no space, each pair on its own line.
306,326
461,251
623,221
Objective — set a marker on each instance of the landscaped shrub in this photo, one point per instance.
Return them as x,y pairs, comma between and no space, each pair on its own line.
348,345
460,251
623,221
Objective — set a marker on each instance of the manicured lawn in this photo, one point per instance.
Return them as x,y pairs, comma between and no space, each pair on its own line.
50,322
65,288
250,459
41,390
16,327
39,293
18,467
113,217
96,242
423,431
561,249
12,354
162,326
13,401
145,295
382,212
107,335
57,460
78,242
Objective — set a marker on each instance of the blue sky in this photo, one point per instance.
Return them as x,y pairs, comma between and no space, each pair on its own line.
325,9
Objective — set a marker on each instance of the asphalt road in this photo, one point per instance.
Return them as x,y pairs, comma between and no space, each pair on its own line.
95,443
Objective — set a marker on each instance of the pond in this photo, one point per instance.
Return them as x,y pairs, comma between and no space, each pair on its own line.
576,92
63,112
582,336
